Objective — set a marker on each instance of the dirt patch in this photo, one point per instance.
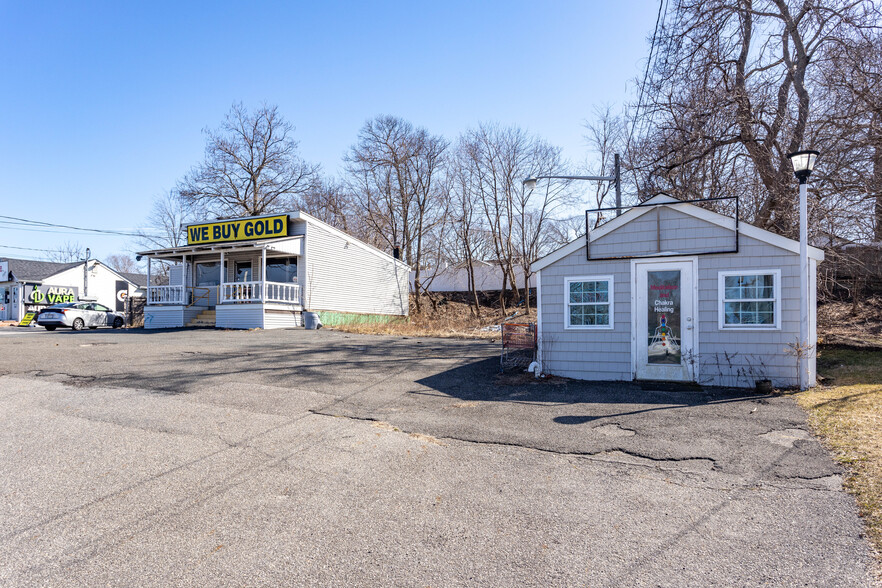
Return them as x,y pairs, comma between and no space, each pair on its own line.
449,316
854,324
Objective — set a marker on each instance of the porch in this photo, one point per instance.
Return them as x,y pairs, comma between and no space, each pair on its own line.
226,293
241,284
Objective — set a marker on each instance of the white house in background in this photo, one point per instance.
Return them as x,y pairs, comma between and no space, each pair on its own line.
27,285
264,272
672,291
455,277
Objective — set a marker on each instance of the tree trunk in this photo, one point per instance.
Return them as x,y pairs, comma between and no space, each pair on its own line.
876,181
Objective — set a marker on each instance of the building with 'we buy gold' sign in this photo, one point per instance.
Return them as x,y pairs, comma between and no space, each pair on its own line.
266,271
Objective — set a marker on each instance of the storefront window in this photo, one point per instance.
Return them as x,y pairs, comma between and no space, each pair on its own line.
208,274
243,271
283,270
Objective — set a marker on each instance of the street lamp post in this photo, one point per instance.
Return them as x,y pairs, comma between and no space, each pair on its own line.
530,182
86,273
803,165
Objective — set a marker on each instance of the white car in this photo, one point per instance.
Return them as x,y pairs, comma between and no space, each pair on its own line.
79,315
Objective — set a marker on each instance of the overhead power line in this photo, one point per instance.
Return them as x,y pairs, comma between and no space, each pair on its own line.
32,225
662,9
26,248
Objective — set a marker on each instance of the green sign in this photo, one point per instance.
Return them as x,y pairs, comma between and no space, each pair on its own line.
46,295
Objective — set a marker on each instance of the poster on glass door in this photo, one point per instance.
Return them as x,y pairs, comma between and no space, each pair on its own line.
663,299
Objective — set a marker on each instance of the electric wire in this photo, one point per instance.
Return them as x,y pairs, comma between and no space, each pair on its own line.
26,248
54,225
662,10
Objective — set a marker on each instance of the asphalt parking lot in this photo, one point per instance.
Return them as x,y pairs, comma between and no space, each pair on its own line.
292,457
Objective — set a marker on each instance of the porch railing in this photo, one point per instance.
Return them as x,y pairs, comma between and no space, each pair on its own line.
165,294
188,295
259,291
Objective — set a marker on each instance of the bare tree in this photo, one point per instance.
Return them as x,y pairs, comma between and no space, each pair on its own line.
850,135
498,159
395,174
605,136
469,243
331,202
122,263
166,223
252,166
730,95
68,253
535,208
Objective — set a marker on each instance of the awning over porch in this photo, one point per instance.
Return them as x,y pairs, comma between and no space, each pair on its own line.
290,245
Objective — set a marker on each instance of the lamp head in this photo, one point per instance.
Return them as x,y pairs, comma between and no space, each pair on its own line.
803,163
530,183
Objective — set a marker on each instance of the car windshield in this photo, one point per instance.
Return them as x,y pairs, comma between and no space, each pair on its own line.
65,305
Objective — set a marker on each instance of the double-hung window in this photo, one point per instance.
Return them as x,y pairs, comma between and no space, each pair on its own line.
750,299
589,302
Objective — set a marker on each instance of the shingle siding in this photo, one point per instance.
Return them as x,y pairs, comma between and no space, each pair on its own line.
725,356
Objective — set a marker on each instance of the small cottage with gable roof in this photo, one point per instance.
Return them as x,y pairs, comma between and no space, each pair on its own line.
672,291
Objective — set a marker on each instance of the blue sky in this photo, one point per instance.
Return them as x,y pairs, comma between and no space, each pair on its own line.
104,103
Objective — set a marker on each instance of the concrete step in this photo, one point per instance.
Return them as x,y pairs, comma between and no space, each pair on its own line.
206,318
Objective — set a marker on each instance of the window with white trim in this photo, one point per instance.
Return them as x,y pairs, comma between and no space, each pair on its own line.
750,299
589,302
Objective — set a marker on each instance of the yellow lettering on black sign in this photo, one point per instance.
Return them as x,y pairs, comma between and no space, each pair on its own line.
27,319
238,230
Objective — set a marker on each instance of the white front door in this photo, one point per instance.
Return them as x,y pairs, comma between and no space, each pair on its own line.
665,320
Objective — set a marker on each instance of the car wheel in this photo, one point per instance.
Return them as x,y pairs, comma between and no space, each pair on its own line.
117,323
78,324
50,328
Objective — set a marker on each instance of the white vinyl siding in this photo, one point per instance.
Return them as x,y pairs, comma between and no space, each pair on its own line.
749,299
589,300
344,275
163,317
239,316
281,319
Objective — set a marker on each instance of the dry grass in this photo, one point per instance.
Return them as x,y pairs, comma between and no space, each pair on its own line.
845,323
447,318
846,411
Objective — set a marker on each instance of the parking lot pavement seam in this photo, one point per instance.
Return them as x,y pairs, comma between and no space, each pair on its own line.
628,452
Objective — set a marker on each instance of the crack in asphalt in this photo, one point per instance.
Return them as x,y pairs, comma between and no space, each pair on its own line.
606,456
628,452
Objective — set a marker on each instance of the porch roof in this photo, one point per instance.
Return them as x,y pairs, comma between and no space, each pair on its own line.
288,244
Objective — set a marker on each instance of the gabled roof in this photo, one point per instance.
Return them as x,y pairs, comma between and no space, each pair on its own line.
716,218
367,247
27,269
139,280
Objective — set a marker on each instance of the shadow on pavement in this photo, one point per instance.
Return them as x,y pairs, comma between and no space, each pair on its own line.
481,381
